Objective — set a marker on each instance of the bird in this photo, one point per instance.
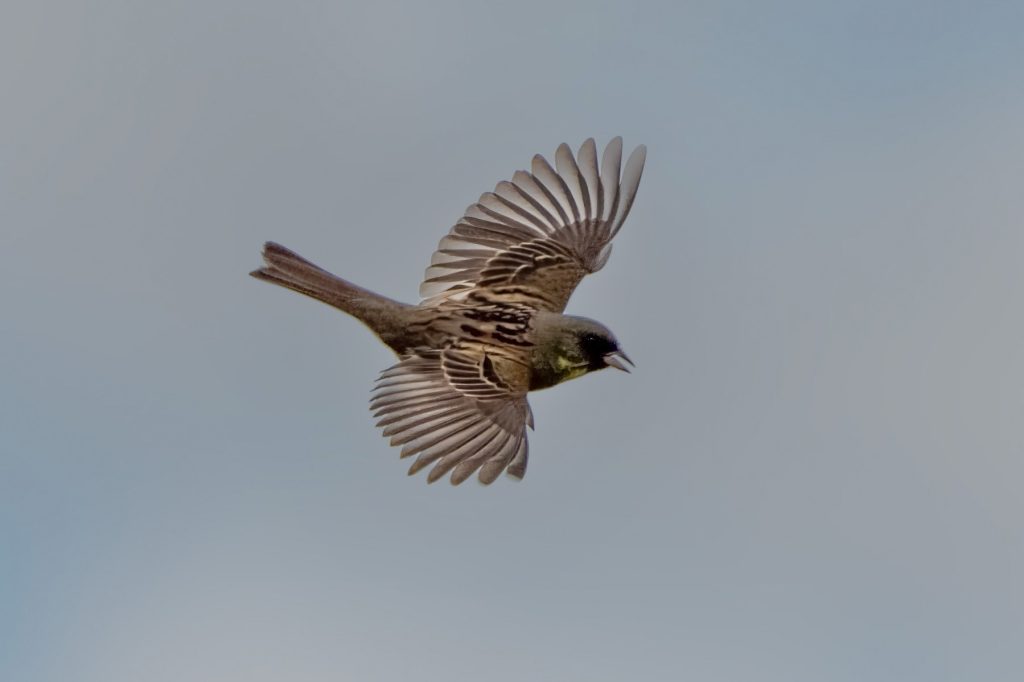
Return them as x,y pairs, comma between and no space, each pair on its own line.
491,326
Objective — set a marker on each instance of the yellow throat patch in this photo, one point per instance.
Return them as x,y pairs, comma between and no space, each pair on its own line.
567,369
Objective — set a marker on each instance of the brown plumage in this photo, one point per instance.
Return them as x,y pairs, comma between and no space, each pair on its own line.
490,326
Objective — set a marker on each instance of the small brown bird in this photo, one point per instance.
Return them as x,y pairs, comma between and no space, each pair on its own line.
490,326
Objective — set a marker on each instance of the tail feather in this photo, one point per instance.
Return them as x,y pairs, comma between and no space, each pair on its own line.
288,269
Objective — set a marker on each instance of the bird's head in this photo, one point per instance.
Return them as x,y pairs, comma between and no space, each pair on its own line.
593,345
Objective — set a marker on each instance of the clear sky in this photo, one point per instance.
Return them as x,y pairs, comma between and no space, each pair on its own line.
813,474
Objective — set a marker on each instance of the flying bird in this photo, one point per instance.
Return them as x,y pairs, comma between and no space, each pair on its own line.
490,326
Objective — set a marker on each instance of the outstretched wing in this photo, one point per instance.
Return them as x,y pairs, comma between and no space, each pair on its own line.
537,235
459,408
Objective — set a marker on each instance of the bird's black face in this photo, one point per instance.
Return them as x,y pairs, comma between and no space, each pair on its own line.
601,350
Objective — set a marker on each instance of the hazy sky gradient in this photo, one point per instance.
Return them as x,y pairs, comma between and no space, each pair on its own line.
813,474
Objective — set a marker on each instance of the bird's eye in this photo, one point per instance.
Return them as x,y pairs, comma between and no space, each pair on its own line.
596,345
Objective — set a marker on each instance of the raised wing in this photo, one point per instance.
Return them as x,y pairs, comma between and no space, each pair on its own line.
536,236
457,408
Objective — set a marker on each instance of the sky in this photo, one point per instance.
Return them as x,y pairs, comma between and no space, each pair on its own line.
813,473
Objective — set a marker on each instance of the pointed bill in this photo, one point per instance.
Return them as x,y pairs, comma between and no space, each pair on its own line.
618,360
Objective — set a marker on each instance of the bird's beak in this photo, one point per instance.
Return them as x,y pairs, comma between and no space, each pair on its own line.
615,359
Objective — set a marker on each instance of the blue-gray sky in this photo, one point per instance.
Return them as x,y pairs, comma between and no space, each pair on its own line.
814,473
